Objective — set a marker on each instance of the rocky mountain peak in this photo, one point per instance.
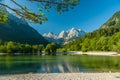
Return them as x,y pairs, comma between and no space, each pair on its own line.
50,34
64,36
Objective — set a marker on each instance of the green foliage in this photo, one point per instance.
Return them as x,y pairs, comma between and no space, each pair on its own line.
13,47
112,23
3,49
35,48
45,5
51,48
85,45
40,48
101,43
117,46
33,17
3,16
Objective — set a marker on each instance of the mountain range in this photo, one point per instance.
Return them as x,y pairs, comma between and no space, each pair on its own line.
18,30
64,37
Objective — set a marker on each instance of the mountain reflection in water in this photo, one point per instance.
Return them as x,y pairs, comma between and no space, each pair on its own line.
59,68
58,64
55,64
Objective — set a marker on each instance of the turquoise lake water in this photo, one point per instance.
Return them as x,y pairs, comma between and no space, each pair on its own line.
58,64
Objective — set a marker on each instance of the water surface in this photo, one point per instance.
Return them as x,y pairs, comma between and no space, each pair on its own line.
58,64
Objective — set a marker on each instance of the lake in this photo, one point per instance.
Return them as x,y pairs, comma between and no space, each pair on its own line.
58,64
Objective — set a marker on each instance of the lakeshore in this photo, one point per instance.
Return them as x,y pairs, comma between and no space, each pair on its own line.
96,53
99,53
63,76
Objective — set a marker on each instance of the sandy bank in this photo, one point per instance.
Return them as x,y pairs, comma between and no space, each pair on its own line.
64,76
96,53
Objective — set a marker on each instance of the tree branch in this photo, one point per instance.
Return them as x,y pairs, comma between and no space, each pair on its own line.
16,3
50,2
23,12
7,7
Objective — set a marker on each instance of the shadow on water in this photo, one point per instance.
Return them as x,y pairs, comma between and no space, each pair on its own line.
57,64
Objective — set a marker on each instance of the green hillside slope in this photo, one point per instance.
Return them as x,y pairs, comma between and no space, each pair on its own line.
106,38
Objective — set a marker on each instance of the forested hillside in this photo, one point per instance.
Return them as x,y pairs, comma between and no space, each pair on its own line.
18,30
106,38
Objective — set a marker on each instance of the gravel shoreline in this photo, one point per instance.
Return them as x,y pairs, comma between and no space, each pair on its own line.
63,76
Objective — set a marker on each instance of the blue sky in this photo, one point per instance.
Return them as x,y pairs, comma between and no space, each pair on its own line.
88,16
